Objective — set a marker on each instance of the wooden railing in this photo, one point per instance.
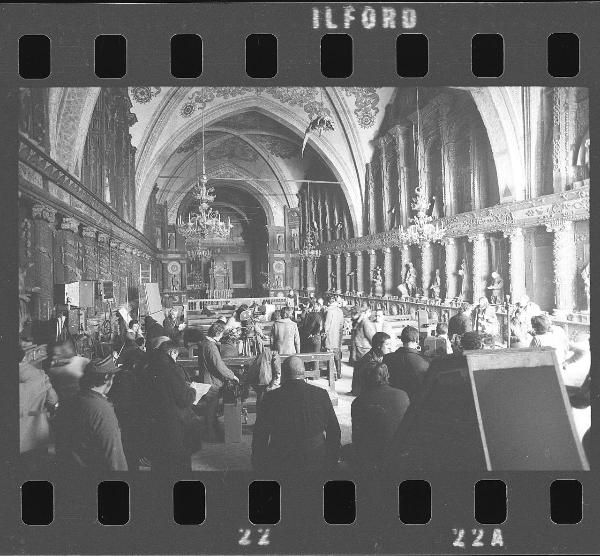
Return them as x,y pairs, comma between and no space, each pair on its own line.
199,304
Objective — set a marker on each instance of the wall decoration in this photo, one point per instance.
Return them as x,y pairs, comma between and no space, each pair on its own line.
174,267
276,146
143,95
366,100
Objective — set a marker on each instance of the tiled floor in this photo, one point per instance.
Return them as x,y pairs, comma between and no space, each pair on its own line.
216,456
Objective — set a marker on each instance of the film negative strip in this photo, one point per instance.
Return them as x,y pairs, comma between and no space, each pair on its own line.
298,278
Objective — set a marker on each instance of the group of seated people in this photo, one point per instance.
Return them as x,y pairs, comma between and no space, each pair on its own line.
143,409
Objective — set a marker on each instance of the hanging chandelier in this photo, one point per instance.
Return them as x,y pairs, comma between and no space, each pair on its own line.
205,222
424,228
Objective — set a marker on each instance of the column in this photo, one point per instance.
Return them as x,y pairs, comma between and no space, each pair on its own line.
90,257
370,201
565,267
402,204
516,262
426,267
360,272
338,272
347,270
385,186
479,265
69,255
329,271
43,227
451,268
103,257
388,271
372,265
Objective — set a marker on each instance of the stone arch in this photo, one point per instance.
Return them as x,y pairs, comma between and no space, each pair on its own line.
502,119
274,212
285,115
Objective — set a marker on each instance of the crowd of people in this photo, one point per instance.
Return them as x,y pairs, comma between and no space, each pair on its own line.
140,407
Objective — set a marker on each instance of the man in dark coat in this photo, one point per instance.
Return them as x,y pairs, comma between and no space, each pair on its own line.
407,367
296,427
461,322
87,430
167,406
212,370
380,347
310,332
173,327
376,415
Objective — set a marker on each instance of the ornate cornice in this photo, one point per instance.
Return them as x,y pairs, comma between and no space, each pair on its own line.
40,211
85,206
69,224
567,206
89,232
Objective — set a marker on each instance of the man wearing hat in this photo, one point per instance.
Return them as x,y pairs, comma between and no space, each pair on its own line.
296,427
87,430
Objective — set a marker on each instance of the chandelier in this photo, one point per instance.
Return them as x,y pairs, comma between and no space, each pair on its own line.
424,228
310,249
205,222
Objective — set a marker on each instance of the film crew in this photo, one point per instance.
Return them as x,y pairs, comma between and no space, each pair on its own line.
212,370
87,430
380,346
64,368
376,415
438,345
37,399
406,366
285,337
296,427
333,332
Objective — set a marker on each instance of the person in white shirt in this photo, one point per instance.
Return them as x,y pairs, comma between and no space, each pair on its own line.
545,335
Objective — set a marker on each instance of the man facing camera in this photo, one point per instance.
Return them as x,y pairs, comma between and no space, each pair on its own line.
296,427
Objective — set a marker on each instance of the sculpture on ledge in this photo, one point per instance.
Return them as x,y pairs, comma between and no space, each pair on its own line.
410,279
464,284
377,281
496,288
585,276
436,285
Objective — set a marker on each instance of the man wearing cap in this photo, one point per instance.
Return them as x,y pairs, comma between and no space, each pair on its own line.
296,427
87,430
333,330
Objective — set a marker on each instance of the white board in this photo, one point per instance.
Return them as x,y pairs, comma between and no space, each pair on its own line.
150,302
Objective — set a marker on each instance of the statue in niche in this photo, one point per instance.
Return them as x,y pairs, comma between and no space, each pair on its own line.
496,288
410,279
158,235
171,240
585,276
436,285
396,215
377,281
333,279
463,272
295,240
175,282
280,242
352,275
403,290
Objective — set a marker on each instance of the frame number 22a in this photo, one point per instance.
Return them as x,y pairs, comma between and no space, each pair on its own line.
476,539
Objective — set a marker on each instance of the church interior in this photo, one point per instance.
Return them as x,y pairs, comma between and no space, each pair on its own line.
411,203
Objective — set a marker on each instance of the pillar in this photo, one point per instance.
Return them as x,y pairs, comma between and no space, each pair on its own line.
388,271
90,257
360,272
347,270
516,262
565,267
43,228
426,267
338,272
372,265
451,268
480,265
70,227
